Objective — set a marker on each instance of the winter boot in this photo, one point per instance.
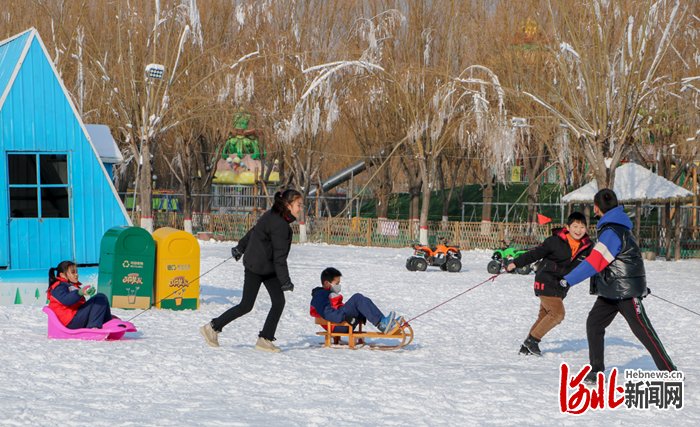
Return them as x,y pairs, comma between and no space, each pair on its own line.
387,323
532,345
266,345
591,378
210,335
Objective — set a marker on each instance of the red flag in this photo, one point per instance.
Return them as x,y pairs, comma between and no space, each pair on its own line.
542,220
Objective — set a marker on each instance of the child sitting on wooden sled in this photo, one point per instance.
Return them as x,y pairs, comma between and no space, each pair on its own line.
67,299
327,303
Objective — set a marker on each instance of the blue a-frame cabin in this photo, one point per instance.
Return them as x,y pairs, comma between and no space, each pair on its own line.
56,198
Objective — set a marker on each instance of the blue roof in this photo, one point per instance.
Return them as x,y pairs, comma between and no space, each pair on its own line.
10,52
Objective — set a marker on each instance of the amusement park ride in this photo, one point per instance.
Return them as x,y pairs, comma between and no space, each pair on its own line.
240,168
240,162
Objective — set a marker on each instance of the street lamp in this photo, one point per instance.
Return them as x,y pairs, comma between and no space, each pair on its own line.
152,72
155,71
518,122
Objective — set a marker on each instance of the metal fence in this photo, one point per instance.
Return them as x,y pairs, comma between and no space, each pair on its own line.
512,212
401,233
651,215
242,199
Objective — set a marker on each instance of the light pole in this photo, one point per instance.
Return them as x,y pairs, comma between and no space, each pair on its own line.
152,72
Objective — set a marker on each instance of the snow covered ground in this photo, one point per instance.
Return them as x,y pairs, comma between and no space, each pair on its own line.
462,369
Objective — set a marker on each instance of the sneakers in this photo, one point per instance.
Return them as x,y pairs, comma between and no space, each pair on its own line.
387,323
532,345
524,351
266,345
210,335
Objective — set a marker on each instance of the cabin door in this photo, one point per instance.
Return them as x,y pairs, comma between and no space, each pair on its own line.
40,223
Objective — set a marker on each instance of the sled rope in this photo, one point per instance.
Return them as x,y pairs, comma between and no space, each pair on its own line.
490,279
673,303
177,290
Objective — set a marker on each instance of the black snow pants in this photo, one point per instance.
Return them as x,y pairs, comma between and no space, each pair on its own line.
251,286
602,314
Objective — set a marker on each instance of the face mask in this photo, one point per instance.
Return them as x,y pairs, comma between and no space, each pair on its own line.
335,288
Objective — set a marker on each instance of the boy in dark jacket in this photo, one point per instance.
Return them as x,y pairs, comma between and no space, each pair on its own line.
619,280
560,253
326,302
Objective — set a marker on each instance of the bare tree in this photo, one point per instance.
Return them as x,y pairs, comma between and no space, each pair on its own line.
609,58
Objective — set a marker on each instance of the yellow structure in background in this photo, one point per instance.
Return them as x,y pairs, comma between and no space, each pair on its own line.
177,269
516,174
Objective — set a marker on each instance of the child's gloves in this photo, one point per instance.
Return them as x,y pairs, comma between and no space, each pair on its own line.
646,293
236,253
87,290
563,283
288,286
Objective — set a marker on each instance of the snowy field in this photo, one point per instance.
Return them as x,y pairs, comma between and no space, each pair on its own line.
462,368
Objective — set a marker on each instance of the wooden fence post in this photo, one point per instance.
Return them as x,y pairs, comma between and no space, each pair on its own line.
369,231
458,234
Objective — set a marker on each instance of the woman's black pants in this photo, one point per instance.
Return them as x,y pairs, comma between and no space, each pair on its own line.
251,286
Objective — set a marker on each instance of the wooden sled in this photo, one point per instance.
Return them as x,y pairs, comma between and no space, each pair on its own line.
357,339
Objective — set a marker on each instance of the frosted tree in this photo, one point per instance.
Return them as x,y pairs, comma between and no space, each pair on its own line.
433,105
298,102
369,109
142,102
609,60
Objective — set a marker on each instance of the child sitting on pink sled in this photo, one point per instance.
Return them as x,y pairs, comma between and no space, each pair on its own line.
67,299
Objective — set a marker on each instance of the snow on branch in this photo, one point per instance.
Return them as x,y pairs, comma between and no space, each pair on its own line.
565,47
183,38
336,66
243,58
574,128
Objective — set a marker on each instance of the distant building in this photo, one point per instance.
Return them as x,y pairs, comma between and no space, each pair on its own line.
105,146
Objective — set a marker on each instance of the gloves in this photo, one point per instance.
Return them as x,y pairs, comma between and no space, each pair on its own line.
563,283
354,321
87,290
288,286
236,253
646,293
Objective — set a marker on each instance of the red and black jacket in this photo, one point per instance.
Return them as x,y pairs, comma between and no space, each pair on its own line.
325,304
557,261
64,299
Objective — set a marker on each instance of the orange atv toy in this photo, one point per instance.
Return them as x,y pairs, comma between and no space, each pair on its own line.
445,256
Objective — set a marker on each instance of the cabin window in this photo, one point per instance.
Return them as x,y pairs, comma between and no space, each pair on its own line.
38,185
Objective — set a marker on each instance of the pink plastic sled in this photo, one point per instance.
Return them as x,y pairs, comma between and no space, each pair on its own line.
112,330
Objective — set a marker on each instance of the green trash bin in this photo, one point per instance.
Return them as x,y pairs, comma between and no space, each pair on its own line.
127,265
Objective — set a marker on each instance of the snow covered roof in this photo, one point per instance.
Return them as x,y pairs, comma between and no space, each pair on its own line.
11,51
103,142
633,183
